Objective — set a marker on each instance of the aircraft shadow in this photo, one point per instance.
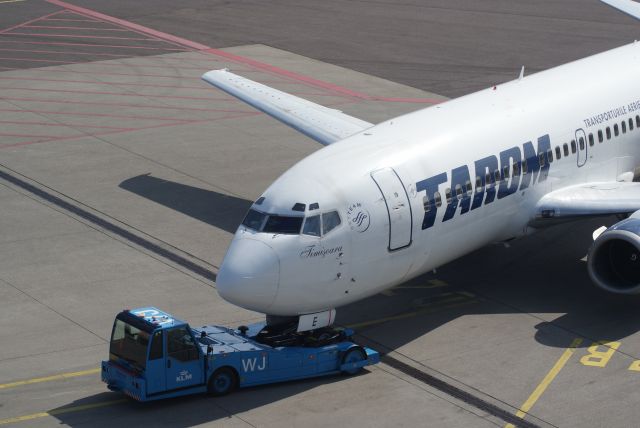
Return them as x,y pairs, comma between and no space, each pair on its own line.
219,210
541,275
181,411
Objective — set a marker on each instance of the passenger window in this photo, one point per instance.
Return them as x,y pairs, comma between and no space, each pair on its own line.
469,187
541,159
573,146
581,140
558,156
525,167
330,221
608,133
624,127
550,155
438,198
478,183
505,172
487,179
638,121
496,175
565,148
447,194
458,191
180,345
600,136
516,169
616,131
630,124
156,346
312,226
591,141
426,204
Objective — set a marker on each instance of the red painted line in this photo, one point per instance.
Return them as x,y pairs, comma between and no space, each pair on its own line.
101,73
142,106
25,143
70,125
34,60
93,45
106,83
120,94
138,65
236,58
73,28
60,52
116,116
2,134
29,22
97,15
70,20
76,36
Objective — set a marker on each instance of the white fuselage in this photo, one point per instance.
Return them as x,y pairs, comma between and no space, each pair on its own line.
385,240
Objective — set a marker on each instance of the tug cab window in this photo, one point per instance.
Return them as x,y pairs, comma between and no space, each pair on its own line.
180,345
330,221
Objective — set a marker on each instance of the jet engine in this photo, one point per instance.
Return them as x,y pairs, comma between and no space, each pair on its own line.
614,258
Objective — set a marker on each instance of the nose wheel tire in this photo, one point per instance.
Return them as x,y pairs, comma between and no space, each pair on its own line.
354,355
222,382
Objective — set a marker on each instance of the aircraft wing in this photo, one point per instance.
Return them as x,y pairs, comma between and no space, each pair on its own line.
627,6
323,124
588,200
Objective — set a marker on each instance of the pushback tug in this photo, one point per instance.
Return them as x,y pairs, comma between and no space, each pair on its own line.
153,355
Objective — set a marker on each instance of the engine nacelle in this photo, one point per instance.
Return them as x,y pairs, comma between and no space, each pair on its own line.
614,258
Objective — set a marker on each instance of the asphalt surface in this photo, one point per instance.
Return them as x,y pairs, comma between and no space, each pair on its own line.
447,47
123,177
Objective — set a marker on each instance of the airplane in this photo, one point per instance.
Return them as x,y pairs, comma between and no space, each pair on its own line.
382,204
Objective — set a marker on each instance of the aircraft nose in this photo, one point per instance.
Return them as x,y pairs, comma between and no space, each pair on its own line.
249,275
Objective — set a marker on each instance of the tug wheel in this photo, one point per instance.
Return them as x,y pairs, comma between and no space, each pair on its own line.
222,381
355,354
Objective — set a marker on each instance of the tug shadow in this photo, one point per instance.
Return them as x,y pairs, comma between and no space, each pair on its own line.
109,409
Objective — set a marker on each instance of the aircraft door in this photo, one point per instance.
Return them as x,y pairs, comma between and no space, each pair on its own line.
398,207
581,143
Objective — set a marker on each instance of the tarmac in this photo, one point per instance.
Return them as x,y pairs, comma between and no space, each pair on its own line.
123,177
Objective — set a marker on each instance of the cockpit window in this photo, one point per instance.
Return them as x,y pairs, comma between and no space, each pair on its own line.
312,226
283,224
254,219
330,221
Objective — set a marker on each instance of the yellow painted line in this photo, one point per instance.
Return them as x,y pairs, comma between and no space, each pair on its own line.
10,1
541,388
49,378
60,411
